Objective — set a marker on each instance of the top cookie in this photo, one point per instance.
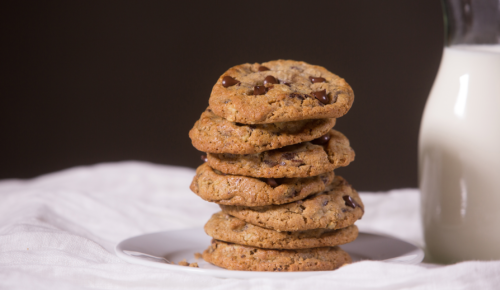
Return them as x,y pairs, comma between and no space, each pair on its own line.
280,91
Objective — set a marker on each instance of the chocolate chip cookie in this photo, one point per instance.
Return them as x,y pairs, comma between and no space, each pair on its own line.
280,91
301,160
339,206
217,135
212,185
230,229
244,258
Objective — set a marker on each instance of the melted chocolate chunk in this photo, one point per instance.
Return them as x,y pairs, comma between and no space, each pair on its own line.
272,182
270,163
325,202
349,201
259,90
322,140
317,80
263,68
204,158
228,81
270,80
321,96
287,84
289,155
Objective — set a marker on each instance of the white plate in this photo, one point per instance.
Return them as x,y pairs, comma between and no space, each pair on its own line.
151,249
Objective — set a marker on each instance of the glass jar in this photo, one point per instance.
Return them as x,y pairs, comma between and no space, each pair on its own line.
459,144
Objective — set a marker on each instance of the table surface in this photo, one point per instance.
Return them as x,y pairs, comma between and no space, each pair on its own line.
58,231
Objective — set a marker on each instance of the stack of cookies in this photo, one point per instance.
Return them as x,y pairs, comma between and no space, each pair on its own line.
271,152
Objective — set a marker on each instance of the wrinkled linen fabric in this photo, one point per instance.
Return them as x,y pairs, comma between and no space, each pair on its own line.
58,231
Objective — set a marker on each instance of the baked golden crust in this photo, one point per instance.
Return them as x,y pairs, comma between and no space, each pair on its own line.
244,258
214,186
301,160
215,134
289,100
224,227
331,209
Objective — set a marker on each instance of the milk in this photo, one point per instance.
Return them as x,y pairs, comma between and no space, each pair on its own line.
459,156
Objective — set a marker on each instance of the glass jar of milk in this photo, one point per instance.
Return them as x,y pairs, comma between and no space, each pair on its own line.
459,146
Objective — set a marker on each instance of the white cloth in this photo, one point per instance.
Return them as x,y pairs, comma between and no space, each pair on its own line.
58,231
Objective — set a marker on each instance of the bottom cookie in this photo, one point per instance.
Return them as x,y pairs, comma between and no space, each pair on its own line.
244,258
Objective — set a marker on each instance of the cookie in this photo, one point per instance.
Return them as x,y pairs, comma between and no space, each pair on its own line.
217,135
227,228
212,185
244,258
301,160
337,207
280,91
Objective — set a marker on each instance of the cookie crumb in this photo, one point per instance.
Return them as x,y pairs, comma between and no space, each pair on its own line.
183,263
194,265
198,256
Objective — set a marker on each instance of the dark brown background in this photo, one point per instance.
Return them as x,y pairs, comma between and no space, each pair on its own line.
95,81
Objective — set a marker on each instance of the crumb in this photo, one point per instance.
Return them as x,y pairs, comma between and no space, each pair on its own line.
195,265
183,263
198,256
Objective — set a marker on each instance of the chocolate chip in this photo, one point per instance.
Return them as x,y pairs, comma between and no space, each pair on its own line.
228,81
271,182
204,158
325,202
317,80
289,155
270,80
259,90
270,163
349,201
322,140
321,96
263,68
287,84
